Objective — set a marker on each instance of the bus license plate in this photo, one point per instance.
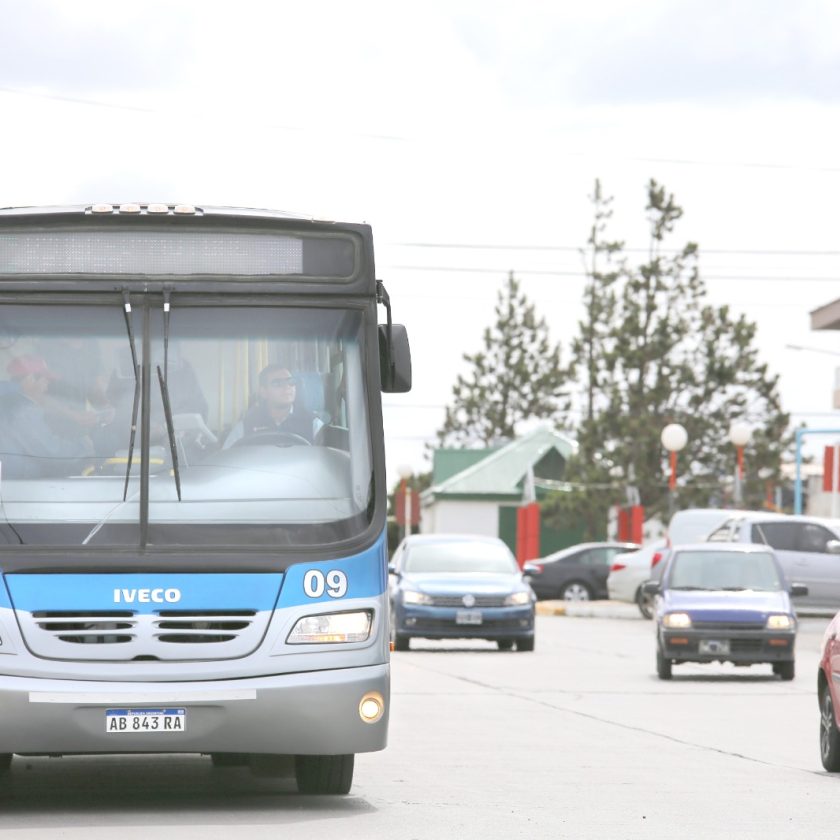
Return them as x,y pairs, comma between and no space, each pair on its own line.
468,617
145,721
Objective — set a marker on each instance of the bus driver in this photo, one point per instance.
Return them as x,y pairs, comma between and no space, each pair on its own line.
276,409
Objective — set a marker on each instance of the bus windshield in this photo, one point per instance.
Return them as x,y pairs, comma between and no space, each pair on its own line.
253,421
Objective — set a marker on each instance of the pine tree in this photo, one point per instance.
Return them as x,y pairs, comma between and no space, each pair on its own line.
516,377
654,352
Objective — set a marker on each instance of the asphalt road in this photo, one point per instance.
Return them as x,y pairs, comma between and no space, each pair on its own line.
578,739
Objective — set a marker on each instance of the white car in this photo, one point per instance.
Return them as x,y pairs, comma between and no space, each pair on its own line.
627,574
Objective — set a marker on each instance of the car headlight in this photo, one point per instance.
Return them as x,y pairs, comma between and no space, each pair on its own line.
518,599
779,622
677,621
332,628
409,596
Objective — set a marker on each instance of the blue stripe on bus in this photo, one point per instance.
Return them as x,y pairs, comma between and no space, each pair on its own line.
143,593
365,575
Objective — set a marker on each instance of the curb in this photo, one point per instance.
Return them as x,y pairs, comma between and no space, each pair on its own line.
551,608
589,609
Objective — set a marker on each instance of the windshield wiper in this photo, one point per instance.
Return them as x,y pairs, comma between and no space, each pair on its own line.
136,406
170,430
691,588
164,395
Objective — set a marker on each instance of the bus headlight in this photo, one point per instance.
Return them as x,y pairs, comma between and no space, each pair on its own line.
332,628
371,707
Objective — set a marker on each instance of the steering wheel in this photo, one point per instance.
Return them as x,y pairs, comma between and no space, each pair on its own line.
273,439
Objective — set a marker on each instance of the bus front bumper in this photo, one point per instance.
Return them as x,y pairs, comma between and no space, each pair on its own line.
308,713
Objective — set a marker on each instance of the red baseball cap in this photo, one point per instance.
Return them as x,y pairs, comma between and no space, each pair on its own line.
22,366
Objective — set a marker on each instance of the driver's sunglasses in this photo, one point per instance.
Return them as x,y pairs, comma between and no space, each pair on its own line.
287,382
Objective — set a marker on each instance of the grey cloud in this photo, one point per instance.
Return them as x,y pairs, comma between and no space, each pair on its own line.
42,46
688,51
737,57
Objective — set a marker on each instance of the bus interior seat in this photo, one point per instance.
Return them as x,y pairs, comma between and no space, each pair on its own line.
311,394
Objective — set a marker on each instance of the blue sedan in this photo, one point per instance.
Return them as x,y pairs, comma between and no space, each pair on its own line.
451,586
724,603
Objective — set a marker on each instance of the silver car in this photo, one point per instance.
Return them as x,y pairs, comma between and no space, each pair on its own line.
808,549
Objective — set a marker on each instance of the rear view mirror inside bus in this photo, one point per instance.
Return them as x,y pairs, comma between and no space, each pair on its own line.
394,359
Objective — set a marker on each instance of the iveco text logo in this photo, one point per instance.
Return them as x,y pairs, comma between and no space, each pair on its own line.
146,596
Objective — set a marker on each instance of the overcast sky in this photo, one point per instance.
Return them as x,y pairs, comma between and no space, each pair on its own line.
454,125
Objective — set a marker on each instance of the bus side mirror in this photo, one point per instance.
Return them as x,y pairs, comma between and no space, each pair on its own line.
394,359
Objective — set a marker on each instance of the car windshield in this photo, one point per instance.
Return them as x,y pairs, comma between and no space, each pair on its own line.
727,570
460,556
257,430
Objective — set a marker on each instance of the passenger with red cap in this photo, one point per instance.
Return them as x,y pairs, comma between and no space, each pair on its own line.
29,448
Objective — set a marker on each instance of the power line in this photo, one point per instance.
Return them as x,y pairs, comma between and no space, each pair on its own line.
118,106
75,100
475,246
532,272
727,164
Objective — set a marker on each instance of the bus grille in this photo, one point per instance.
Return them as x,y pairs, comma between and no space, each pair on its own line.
126,635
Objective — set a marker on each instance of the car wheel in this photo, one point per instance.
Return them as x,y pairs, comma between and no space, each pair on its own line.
505,644
829,736
326,774
576,591
663,666
786,670
525,645
644,603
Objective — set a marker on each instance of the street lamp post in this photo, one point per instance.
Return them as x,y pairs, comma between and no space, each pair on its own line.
739,436
405,472
674,438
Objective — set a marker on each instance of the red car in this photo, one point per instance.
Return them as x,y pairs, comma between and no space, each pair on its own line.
829,697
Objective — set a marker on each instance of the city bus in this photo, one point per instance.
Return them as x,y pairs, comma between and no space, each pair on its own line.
192,487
